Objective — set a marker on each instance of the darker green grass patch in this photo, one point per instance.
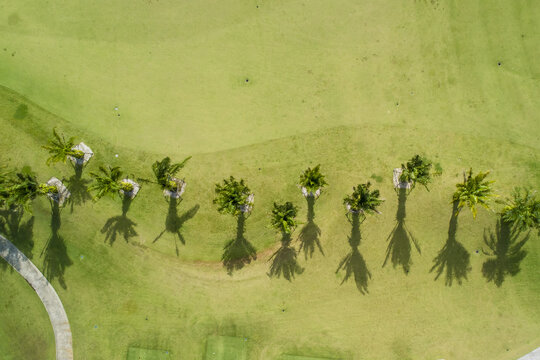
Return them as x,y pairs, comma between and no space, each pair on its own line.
21,112
147,354
226,348
377,178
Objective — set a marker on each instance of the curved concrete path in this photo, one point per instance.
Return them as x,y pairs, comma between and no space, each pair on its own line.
45,291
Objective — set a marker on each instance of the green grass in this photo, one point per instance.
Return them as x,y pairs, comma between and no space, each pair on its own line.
296,357
147,354
226,348
357,87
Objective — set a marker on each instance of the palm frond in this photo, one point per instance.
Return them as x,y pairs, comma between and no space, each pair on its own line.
283,217
522,210
313,179
417,170
164,170
231,196
21,189
474,191
363,199
59,148
106,181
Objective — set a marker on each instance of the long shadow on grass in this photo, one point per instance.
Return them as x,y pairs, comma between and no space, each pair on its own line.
400,239
453,256
506,250
353,263
310,232
19,232
55,256
284,262
78,188
238,252
174,223
120,225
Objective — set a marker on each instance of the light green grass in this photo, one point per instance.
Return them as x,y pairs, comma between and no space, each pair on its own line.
226,348
147,354
297,357
357,87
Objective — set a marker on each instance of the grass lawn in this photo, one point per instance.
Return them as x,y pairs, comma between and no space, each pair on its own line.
296,357
261,90
147,354
226,348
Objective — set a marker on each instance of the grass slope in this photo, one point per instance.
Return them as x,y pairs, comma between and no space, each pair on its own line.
357,87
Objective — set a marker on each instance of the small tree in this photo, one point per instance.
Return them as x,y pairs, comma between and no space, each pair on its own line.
59,149
523,210
284,217
474,190
165,172
417,170
233,197
312,180
108,181
363,200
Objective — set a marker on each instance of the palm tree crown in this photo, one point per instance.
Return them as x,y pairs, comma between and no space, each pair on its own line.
106,181
312,179
523,210
363,200
417,170
284,217
59,148
231,196
474,190
165,171
22,188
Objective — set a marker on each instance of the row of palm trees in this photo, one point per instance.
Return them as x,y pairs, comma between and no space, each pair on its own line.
233,197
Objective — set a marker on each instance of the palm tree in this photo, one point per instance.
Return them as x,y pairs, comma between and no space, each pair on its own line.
312,181
108,181
363,200
59,149
523,210
284,217
165,171
417,170
233,197
474,191
24,187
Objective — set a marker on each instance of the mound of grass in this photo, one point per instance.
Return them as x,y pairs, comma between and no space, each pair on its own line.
147,354
226,348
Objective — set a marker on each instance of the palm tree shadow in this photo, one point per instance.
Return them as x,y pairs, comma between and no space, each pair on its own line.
507,250
453,256
120,225
238,252
78,188
174,223
400,239
55,256
310,232
353,263
19,232
284,261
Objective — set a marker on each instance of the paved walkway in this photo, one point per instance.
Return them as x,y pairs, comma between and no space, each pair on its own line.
535,355
45,291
